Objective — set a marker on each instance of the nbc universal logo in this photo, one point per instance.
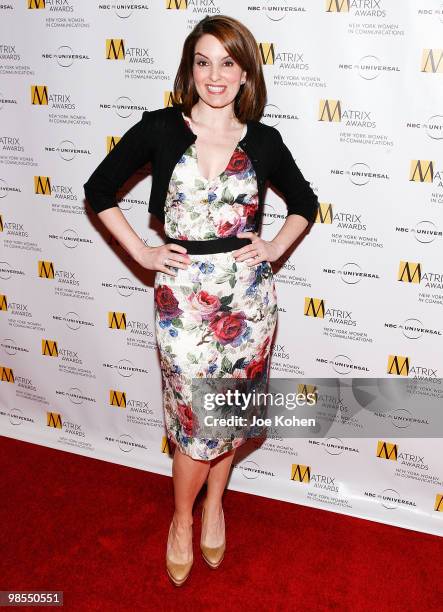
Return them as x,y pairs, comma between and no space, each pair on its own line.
343,322
15,416
412,273
126,9
64,56
138,61
334,112
138,333
430,9
370,67
58,13
424,231
123,107
412,466
352,228
425,172
369,17
289,67
137,411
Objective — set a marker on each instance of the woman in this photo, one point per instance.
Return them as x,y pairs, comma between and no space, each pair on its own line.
214,294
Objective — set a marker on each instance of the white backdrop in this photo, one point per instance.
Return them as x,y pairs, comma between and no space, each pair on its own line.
355,88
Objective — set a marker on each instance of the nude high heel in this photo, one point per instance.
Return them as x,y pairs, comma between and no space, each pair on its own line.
177,572
213,555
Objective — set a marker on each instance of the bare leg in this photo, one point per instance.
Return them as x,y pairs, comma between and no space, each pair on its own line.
188,476
218,475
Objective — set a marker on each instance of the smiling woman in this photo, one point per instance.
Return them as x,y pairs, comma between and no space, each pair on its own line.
215,301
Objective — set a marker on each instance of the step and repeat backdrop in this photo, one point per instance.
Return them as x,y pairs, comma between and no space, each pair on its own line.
355,87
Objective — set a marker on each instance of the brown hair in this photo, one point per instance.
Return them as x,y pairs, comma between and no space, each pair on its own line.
242,47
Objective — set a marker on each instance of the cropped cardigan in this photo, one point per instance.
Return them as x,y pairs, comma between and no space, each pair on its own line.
161,137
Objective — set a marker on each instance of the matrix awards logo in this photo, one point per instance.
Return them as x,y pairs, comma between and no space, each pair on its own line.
40,96
43,185
3,302
46,270
358,8
117,398
138,411
432,61
409,272
421,171
291,67
139,332
111,141
301,473
6,374
314,307
167,98
398,365
387,450
115,49
337,6
267,53
54,419
137,60
176,5
438,506
325,213
116,320
49,348
332,111
164,448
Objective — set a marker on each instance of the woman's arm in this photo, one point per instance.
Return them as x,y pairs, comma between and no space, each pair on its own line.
301,201
115,221
135,149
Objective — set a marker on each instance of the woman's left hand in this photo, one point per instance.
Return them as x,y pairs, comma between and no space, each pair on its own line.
259,250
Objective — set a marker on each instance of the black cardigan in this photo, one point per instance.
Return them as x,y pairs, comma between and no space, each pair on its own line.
162,136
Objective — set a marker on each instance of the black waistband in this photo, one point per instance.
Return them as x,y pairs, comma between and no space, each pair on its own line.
204,247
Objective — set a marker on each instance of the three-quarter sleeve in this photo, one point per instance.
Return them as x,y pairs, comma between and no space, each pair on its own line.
289,180
133,150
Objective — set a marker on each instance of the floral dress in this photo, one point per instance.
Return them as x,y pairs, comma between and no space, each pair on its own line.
216,318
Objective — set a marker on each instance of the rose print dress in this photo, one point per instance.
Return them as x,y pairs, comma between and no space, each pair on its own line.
215,319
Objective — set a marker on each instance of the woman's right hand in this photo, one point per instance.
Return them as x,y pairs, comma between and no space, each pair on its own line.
153,258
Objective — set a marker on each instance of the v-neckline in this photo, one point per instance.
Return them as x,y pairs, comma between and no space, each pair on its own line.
209,181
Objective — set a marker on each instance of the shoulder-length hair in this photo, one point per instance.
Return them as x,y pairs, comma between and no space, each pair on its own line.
242,47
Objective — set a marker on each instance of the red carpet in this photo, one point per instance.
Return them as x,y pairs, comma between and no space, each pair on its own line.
97,531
